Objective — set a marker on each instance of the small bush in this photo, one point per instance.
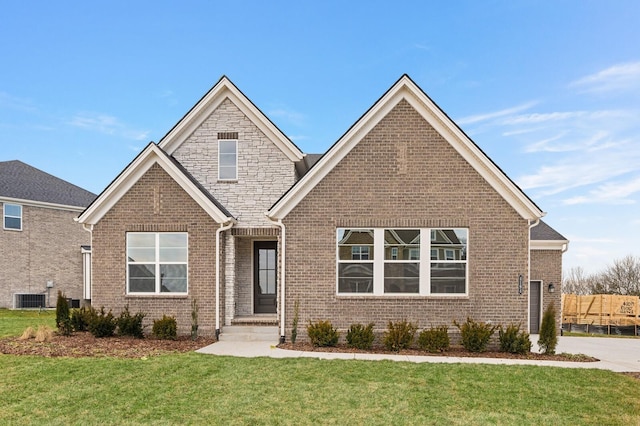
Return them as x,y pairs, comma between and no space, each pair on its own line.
399,335
130,325
475,335
435,339
322,333
513,340
165,328
63,320
296,318
360,337
102,324
44,334
80,318
28,333
548,338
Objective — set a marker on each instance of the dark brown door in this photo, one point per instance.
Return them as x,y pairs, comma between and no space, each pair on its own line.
265,278
534,307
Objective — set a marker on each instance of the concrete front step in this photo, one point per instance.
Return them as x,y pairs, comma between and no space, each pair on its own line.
249,333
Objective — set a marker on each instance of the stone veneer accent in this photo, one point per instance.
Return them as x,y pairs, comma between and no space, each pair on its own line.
264,172
404,174
47,249
546,266
175,212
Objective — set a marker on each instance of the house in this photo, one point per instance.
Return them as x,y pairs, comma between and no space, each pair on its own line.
43,249
404,217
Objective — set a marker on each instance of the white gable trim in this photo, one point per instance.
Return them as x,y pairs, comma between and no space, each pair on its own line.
207,105
406,89
134,171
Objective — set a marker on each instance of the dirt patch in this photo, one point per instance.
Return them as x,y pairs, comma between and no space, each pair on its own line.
454,351
85,345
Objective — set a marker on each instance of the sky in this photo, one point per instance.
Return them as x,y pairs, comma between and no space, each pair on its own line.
549,90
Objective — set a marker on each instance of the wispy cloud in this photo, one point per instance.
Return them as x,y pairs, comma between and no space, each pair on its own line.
294,117
495,114
609,193
620,77
107,124
16,103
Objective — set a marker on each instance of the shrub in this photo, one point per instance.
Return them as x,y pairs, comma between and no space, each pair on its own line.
102,324
130,325
435,339
44,334
194,319
296,318
475,335
322,333
548,338
63,320
513,340
165,328
80,318
28,333
360,337
399,335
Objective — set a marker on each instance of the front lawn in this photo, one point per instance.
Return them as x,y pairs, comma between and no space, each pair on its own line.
14,322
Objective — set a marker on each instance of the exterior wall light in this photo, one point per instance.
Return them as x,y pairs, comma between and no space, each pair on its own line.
552,288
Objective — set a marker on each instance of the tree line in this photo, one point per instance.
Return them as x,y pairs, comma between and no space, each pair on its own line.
622,277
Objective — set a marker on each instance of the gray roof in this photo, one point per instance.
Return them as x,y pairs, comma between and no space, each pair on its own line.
21,181
544,232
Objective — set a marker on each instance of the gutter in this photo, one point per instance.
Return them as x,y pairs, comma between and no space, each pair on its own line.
282,247
223,227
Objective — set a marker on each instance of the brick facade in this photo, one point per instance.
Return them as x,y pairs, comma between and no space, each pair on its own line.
404,174
546,266
176,212
47,249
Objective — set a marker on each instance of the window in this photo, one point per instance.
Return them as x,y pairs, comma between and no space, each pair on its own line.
407,263
157,262
355,260
12,217
227,159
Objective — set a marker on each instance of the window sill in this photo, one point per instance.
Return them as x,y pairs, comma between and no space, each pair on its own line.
157,296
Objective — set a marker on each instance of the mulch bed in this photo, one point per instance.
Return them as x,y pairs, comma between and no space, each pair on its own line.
84,344
454,351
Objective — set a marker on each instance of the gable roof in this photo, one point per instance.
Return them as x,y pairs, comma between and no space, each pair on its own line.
406,89
151,155
22,183
222,90
544,237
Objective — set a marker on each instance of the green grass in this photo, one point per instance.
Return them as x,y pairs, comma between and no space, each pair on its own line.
204,389
13,323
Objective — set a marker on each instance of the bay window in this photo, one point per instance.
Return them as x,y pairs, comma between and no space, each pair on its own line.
157,262
402,261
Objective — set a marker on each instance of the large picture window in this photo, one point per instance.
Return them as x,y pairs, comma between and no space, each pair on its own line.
12,216
157,263
402,261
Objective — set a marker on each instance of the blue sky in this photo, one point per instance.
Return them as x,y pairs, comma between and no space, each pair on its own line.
549,90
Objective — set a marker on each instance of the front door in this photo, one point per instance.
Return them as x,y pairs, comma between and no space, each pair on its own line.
534,307
264,277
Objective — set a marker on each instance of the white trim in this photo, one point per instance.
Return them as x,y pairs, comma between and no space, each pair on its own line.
549,245
120,186
223,227
207,105
5,216
42,204
406,89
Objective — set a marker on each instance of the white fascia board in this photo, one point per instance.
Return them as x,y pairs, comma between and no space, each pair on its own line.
406,89
549,245
212,100
42,204
133,173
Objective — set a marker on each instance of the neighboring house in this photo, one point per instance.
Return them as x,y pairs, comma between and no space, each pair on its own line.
404,217
42,246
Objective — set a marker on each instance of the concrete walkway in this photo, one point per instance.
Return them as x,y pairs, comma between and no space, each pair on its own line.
615,354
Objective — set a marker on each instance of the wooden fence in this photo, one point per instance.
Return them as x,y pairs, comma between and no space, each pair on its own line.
601,310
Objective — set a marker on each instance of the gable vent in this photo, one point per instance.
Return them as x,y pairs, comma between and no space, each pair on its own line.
228,135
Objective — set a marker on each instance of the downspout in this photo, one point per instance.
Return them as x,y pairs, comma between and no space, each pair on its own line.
223,227
531,225
89,229
279,223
